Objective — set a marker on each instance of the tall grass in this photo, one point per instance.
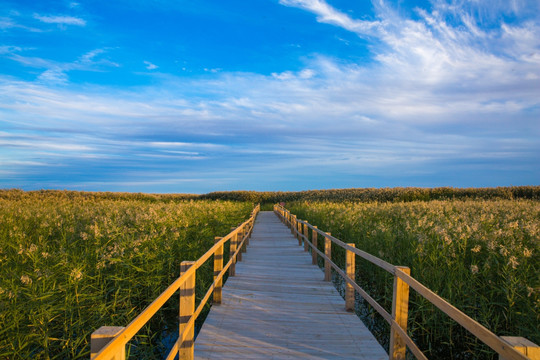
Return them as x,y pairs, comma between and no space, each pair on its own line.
70,264
481,255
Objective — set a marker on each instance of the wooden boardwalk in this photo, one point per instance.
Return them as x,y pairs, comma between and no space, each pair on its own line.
278,307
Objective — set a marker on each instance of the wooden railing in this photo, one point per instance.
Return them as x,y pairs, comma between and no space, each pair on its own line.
109,342
508,348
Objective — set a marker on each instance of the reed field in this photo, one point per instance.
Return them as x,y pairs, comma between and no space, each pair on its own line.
481,255
72,262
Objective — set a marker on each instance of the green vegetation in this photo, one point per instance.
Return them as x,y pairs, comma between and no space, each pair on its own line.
380,195
482,256
72,262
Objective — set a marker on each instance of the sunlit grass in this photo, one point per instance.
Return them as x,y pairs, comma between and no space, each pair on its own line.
70,263
481,255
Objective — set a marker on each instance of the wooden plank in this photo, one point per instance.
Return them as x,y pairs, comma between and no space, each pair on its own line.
314,242
218,266
373,259
232,269
187,307
268,314
129,331
350,269
102,337
524,346
306,237
400,308
328,254
477,329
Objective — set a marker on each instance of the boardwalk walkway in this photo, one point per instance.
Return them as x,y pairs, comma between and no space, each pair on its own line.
278,307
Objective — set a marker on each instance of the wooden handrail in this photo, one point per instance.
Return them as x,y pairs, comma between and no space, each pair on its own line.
199,309
498,344
367,256
118,343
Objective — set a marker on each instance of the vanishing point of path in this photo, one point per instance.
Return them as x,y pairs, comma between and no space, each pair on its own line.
278,307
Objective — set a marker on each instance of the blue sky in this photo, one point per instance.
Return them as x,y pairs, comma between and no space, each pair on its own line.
208,95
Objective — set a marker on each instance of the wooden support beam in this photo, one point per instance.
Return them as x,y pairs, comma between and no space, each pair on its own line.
232,250
314,235
350,269
101,337
299,233
248,232
218,266
524,346
400,308
243,232
328,253
187,308
306,234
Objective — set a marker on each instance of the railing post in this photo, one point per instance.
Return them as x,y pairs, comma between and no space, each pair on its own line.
306,234
328,253
314,242
290,222
248,234
218,266
232,250
243,233
400,307
187,307
101,337
350,269
293,225
524,346
299,232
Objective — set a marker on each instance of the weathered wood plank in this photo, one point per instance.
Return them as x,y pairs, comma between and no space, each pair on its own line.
278,306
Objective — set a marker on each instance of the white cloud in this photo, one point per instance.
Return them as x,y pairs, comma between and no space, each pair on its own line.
286,75
60,20
55,75
289,75
56,71
445,48
36,144
89,56
10,23
306,74
439,90
150,66
6,23
328,14
6,49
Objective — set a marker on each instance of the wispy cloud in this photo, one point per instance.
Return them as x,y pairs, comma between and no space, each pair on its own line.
8,49
55,75
57,71
150,66
60,20
437,53
7,23
442,93
328,14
